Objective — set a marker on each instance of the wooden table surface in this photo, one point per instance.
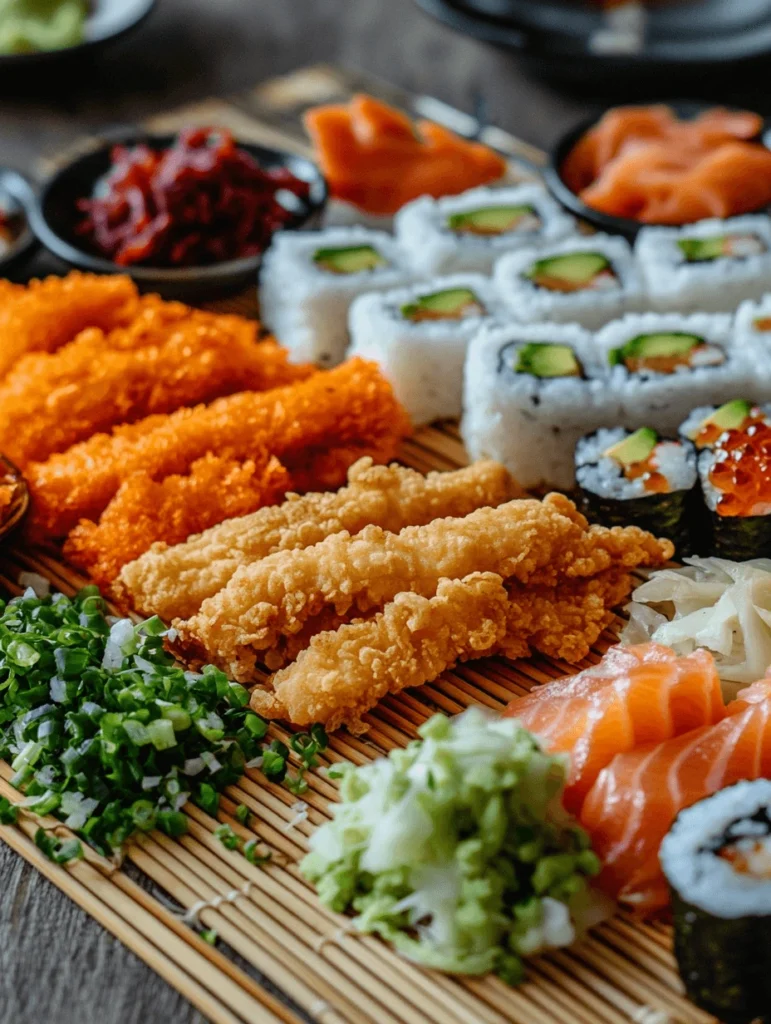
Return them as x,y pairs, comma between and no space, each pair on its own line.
56,965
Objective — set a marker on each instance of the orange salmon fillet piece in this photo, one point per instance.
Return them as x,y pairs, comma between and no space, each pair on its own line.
635,695
637,797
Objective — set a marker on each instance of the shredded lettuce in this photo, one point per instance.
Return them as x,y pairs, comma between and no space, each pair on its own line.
458,850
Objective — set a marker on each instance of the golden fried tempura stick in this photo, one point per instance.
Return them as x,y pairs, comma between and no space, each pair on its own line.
345,672
48,314
174,581
275,597
50,401
145,511
412,641
351,407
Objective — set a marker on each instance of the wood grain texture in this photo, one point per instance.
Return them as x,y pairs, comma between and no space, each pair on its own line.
56,964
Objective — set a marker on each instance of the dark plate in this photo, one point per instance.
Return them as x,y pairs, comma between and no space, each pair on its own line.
16,200
683,39
108,21
54,218
685,109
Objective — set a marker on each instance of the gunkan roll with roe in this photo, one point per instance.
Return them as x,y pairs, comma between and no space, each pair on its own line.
717,860
636,478
706,425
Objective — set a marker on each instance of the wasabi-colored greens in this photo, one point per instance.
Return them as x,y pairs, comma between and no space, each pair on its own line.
105,731
457,849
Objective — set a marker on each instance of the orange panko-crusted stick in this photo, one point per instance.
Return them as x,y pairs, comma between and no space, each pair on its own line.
145,511
47,314
49,402
351,407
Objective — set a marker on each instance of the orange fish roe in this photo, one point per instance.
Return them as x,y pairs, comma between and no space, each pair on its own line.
710,434
744,476
647,469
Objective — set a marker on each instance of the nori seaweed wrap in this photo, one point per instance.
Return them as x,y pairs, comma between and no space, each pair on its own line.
717,860
736,485
635,478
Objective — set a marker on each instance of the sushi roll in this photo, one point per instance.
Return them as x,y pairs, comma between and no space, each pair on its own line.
736,483
530,392
585,280
717,860
711,266
752,332
664,364
420,336
637,478
706,425
469,232
309,279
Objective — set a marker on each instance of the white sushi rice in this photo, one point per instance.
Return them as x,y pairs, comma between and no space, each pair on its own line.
707,460
307,306
424,360
690,860
663,400
433,248
712,286
531,424
745,329
590,307
599,474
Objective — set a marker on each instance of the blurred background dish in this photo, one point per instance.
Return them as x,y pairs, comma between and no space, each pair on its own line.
79,238
576,41
16,238
31,32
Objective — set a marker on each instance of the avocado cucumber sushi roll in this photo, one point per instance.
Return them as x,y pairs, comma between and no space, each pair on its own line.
585,280
662,365
309,279
470,231
419,336
735,480
636,478
717,860
531,391
712,265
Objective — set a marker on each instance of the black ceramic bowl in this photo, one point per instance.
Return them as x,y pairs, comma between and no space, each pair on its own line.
108,21
56,215
17,201
575,205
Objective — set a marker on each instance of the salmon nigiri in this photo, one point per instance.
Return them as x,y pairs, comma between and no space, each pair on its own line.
637,797
636,695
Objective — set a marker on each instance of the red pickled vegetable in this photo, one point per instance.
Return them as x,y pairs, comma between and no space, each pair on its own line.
201,201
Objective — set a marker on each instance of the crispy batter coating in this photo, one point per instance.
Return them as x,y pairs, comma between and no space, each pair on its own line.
412,641
144,511
174,581
50,401
47,314
345,672
351,407
275,598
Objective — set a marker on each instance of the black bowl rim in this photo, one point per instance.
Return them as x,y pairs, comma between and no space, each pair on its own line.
575,205
14,60
211,273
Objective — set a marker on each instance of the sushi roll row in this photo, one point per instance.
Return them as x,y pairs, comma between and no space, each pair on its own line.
645,370
708,490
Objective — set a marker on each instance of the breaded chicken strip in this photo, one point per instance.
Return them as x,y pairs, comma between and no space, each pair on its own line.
144,510
345,672
47,314
274,598
412,641
50,401
351,407
174,581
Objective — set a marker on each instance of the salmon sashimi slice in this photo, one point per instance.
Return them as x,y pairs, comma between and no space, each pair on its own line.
637,797
636,695
374,157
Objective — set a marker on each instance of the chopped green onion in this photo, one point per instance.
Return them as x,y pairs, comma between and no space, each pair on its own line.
9,813
250,852
243,815
227,837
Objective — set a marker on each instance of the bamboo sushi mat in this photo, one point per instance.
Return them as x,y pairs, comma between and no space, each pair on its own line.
280,955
